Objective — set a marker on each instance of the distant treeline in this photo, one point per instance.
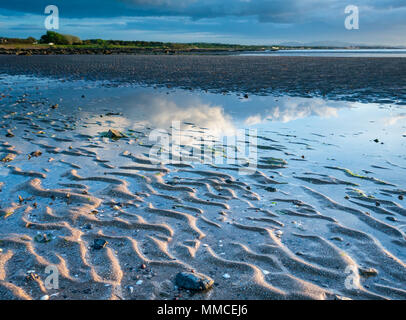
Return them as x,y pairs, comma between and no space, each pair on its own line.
157,44
29,40
64,39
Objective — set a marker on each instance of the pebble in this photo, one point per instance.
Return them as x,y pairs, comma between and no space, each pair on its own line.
46,297
99,244
226,276
278,233
270,189
369,272
193,281
139,282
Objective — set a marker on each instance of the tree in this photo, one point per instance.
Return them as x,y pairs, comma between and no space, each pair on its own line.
57,38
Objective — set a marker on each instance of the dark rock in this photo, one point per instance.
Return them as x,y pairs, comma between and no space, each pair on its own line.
400,197
99,244
35,153
370,272
9,134
193,281
270,189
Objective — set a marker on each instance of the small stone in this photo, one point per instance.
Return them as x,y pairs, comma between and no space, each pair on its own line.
43,237
270,189
115,134
279,233
139,282
400,197
143,266
193,281
369,272
226,276
9,134
46,297
35,153
55,106
99,244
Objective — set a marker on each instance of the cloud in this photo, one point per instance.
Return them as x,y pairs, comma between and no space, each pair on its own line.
276,11
238,21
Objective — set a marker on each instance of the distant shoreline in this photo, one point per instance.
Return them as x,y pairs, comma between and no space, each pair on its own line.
28,50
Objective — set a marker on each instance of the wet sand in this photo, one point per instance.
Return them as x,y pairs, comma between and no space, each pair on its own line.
352,79
291,230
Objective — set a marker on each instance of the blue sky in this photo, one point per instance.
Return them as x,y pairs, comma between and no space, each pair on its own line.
228,21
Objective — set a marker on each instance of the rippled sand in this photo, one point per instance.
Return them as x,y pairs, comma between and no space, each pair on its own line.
292,230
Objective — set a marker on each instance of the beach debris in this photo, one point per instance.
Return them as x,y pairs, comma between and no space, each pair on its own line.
265,272
368,272
99,244
143,266
46,297
34,154
55,106
9,134
226,276
139,282
246,96
8,158
193,281
43,237
31,275
376,140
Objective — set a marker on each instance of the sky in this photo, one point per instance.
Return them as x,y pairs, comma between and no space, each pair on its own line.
263,22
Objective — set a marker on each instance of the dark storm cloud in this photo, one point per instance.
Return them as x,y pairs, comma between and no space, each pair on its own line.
279,11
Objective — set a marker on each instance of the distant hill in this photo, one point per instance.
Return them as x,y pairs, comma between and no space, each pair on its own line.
333,44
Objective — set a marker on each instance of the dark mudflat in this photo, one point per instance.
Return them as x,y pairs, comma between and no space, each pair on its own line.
352,79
